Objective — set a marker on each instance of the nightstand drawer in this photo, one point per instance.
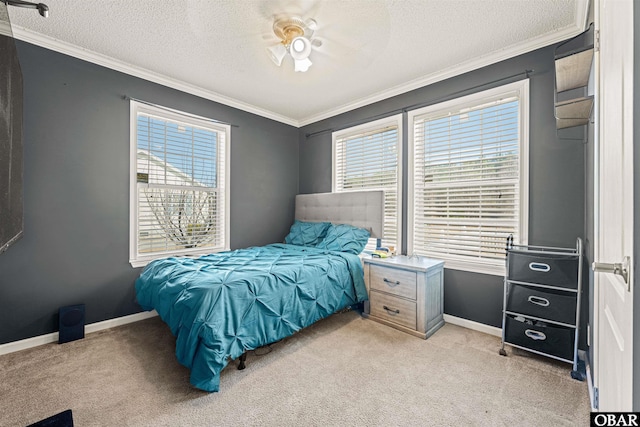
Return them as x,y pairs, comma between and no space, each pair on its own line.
393,309
393,281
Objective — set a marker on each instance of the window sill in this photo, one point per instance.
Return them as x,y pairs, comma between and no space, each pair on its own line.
142,262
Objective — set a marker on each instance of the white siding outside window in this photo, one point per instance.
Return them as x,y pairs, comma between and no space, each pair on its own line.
179,184
368,157
468,178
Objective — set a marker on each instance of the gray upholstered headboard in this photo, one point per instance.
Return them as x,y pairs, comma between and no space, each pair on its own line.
364,209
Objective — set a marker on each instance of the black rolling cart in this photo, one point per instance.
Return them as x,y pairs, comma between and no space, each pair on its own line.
541,307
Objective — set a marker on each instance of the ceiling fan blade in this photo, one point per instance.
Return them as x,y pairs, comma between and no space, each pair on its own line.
305,9
339,40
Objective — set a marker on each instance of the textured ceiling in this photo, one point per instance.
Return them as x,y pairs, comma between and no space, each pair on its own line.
371,49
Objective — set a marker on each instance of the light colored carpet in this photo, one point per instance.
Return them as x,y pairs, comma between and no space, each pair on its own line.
344,370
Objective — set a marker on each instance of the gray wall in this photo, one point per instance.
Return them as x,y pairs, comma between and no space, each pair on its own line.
75,247
557,171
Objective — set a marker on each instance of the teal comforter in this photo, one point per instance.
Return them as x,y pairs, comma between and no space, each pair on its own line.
220,305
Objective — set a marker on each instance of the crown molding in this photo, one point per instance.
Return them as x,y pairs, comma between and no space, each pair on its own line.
579,26
56,45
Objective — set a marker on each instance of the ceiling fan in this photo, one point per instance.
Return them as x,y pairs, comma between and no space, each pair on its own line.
295,39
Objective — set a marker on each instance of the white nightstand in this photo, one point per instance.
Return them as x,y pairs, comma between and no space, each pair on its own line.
405,293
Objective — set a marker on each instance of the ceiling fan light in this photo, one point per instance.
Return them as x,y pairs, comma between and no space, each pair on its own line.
277,53
298,45
300,48
311,24
303,64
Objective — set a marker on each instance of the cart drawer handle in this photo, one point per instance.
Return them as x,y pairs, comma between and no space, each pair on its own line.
535,335
390,311
539,266
391,283
538,301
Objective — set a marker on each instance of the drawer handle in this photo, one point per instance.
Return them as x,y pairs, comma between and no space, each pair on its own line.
390,282
390,311
539,266
535,335
538,301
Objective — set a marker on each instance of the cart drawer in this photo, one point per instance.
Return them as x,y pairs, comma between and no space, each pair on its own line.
549,339
553,270
394,309
545,303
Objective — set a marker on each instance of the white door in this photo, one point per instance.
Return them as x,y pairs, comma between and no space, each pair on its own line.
613,237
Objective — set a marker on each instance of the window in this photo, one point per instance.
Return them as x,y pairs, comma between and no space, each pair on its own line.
367,157
179,184
468,178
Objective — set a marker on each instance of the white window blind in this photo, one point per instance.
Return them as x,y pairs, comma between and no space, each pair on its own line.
367,157
180,183
466,192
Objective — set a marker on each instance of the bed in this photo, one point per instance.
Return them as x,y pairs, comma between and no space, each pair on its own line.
221,305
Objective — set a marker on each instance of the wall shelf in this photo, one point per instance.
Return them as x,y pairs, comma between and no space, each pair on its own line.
572,73
574,112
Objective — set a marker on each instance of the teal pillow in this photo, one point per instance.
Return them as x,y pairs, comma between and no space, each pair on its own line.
306,233
345,238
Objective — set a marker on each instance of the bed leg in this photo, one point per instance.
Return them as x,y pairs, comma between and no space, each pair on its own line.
241,366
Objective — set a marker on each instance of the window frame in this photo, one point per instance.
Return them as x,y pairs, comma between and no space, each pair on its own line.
521,90
394,120
137,259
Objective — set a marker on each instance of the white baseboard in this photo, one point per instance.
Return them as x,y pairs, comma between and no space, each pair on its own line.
470,324
92,327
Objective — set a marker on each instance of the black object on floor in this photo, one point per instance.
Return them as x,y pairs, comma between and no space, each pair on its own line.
63,419
71,323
